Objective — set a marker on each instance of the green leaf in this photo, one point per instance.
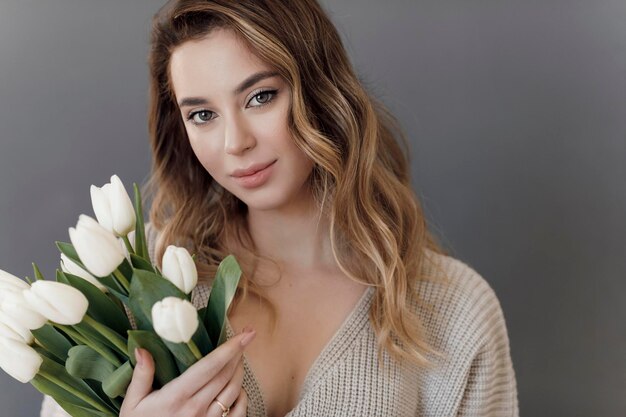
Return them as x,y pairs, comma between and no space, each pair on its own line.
101,308
53,341
37,272
80,339
165,366
111,283
222,293
142,321
201,339
78,411
47,387
141,247
116,292
70,252
56,372
94,337
83,362
107,332
116,403
147,288
140,263
117,383
50,356
182,354
115,300
60,276
126,269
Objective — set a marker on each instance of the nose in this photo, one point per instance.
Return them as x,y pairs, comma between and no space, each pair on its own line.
237,136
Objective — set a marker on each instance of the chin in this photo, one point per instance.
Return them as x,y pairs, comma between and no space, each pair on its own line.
264,201
262,204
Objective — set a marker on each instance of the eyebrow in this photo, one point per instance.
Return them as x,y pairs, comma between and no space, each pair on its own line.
247,83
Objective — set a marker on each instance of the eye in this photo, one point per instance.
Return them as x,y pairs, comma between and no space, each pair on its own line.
200,117
264,97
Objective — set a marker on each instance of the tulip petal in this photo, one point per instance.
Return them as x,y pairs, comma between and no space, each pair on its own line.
179,268
171,269
19,360
7,293
10,281
97,248
101,207
188,268
175,319
69,266
15,306
122,209
14,328
60,303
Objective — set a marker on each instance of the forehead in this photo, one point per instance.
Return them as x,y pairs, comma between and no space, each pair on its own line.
215,63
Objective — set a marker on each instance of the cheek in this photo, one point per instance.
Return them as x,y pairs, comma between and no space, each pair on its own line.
206,153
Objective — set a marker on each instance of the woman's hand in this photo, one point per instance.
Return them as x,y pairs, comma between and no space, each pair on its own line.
217,376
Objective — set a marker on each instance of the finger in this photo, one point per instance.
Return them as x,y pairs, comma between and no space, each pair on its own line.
240,408
141,383
194,378
227,392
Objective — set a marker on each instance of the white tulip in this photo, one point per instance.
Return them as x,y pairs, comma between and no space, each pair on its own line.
71,267
174,319
16,306
10,284
19,360
179,268
97,248
12,329
58,302
113,207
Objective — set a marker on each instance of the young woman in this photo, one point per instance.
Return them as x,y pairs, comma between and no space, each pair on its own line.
266,146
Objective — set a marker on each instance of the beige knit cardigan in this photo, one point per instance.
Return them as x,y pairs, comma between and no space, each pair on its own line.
466,324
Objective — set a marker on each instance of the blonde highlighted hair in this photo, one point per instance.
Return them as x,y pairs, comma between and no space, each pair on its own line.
360,179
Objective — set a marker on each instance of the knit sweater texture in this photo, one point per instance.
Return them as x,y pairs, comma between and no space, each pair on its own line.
462,319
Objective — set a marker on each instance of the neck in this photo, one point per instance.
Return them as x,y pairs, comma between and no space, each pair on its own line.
297,237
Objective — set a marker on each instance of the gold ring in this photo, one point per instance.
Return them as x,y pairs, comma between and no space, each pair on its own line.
225,410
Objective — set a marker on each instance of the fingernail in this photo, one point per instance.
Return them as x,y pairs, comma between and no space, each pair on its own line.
249,335
138,357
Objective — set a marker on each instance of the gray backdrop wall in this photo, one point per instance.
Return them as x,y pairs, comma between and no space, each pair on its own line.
517,116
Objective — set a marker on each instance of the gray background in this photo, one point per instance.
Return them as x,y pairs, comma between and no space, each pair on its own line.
516,113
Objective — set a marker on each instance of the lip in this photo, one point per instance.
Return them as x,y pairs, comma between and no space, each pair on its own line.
256,178
238,173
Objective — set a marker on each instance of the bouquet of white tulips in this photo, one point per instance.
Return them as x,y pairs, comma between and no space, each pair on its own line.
72,338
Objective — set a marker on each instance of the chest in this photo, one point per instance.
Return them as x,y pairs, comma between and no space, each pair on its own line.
307,320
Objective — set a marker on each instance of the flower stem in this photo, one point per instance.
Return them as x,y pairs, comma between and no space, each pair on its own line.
76,392
122,280
194,349
117,340
129,247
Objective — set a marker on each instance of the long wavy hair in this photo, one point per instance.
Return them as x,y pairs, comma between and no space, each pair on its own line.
360,179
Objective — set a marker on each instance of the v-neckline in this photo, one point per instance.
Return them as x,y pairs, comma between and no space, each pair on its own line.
351,324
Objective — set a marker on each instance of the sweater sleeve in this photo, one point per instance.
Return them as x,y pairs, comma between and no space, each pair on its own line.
49,408
490,389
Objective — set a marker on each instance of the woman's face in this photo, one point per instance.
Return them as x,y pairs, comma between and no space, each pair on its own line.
235,110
